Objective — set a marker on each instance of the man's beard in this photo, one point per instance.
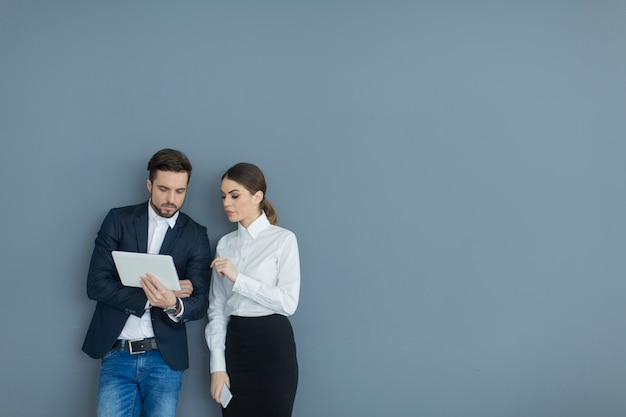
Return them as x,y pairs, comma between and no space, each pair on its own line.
160,212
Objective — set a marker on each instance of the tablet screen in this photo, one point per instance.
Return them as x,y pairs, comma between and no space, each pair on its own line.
131,265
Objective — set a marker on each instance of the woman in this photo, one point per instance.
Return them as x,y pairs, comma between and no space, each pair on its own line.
255,286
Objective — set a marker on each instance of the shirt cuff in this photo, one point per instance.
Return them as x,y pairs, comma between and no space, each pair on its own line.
246,286
176,318
218,361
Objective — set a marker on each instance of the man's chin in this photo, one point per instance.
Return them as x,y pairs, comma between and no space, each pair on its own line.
168,213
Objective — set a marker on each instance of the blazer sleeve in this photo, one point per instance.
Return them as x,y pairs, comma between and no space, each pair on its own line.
103,282
197,270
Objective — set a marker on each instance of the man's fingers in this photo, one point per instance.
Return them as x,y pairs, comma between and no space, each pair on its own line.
186,289
146,283
155,281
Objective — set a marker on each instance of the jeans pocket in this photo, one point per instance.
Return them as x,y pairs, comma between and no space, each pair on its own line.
109,354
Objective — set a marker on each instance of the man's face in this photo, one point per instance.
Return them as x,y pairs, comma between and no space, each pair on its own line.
168,190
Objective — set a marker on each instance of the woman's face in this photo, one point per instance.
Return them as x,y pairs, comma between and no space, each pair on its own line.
239,205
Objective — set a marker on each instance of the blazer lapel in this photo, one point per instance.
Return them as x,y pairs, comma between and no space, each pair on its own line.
172,235
141,230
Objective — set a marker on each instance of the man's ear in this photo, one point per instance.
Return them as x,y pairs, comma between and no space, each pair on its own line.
149,185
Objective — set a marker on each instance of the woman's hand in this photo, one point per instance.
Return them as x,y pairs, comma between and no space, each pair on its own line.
218,379
225,268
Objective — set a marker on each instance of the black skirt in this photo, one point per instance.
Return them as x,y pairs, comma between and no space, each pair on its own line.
262,366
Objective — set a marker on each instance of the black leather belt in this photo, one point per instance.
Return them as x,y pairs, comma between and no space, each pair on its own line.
136,346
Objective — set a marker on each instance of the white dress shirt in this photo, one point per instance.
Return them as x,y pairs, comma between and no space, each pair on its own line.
268,281
137,328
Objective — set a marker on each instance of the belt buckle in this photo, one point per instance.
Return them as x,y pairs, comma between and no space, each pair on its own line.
130,347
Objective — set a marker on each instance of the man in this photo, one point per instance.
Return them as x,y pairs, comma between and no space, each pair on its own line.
140,332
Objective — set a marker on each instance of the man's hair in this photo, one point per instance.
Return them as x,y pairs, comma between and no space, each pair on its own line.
169,160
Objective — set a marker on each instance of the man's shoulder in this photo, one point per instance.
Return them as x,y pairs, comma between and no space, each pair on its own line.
134,209
127,213
186,221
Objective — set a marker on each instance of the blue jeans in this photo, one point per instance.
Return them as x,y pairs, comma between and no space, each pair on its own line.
134,384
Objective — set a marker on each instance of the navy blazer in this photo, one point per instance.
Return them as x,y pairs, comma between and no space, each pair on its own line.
126,229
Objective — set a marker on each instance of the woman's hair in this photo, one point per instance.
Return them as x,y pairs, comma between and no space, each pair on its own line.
252,178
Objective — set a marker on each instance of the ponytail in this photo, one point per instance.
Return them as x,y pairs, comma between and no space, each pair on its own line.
270,212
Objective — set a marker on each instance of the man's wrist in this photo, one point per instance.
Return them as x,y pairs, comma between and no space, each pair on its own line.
175,309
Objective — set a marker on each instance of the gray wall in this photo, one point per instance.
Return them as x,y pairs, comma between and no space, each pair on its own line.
454,172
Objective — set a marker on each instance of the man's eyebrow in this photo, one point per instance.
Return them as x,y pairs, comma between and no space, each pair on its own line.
167,188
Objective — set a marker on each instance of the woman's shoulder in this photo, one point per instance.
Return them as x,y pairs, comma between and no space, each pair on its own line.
227,237
279,232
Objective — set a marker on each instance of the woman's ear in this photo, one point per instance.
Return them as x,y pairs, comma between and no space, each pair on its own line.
258,197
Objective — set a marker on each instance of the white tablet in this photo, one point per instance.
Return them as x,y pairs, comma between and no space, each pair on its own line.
131,265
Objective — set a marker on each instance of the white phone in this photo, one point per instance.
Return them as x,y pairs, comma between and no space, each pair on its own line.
225,396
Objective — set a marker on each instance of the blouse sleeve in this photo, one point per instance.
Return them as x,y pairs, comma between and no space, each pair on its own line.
215,330
282,297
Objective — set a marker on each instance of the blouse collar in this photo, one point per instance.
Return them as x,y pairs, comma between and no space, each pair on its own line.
256,227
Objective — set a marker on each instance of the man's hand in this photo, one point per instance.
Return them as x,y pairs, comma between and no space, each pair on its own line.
157,294
186,288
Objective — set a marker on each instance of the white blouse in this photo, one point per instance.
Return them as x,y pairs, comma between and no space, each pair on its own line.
268,281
